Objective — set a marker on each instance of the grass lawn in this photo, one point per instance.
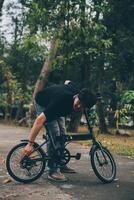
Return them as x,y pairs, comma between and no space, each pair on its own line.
117,144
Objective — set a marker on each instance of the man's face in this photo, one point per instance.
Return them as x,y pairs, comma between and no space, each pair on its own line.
77,104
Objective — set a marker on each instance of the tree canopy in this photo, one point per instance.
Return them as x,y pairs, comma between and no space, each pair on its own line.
95,42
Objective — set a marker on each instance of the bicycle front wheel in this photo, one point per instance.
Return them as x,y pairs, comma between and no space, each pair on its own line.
103,164
27,169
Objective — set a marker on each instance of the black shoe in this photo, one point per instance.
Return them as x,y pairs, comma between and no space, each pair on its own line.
67,169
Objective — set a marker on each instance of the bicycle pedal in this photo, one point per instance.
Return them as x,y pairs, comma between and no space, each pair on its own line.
78,156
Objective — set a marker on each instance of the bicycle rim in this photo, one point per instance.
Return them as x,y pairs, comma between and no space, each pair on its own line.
25,174
103,165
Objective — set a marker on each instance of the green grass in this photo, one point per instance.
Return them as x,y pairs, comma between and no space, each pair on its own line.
125,151
120,145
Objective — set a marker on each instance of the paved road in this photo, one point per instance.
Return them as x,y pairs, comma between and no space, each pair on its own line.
83,185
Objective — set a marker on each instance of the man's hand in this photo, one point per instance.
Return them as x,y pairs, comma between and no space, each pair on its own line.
27,150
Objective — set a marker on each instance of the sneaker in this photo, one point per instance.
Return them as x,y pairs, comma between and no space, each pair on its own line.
57,176
67,169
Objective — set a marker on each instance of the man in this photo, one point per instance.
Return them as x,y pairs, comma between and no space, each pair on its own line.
55,128
56,102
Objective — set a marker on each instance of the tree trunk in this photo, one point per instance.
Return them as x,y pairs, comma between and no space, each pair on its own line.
1,5
19,114
46,68
101,115
8,101
43,77
3,80
74,122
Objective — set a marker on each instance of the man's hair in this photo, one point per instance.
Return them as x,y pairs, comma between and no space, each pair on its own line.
87,98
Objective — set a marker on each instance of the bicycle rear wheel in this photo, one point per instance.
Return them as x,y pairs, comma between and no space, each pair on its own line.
103,164
27,169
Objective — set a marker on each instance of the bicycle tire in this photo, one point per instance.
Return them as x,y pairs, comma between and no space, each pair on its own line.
95,156
9,163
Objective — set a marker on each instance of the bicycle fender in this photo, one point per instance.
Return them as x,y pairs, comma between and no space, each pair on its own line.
36,146
98,144
25,140
92,149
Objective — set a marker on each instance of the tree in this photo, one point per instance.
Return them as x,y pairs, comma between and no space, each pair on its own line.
43,77
1,6
9,88
41,10
95,43
118,20
82,39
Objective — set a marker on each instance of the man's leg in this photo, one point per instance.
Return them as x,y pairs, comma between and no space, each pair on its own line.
53,129
62,131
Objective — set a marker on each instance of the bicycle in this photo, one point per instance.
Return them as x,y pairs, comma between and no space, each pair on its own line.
30,168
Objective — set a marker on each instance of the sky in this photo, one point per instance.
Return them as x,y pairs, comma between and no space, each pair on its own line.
6,26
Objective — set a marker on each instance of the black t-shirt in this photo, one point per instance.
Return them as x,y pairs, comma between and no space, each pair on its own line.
57,100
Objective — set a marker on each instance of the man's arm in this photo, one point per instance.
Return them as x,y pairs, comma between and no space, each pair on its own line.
34,132
37,126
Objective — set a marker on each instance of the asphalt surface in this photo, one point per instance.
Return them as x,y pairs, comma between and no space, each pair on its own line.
82,185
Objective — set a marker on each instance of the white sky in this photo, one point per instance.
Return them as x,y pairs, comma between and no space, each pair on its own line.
6,26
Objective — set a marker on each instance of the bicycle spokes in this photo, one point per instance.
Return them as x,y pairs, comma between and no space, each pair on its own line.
102,160
25,169
103,164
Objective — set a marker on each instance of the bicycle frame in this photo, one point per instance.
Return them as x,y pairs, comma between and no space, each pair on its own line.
60,156
70,138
